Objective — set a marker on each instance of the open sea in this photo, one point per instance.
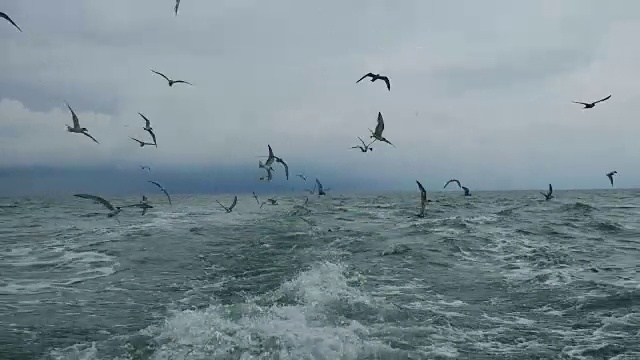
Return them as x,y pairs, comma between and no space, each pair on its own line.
496,275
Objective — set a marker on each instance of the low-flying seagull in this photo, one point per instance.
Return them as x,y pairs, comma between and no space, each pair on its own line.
549,194
230,208
114,210
377,134
145,167
171,82
162,189
610,176
453,180
466,191
423,198
286,167
375,77
256,197
301,176
320,191
76,126
365,147
147,127
271,201
590,105
6,17
142,143
143,204
175,9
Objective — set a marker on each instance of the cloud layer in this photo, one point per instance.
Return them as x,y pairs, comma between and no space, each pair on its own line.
481,91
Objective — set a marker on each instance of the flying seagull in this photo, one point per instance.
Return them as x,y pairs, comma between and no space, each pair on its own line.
271,201
301,176
466,191
76,126
256,197
548,195
365,147
423,198
286,167
590,105
230,208
97,199
320,191
171,82
375,77
453,180
610,176
142,143
147,127
175,9
162,189
377,134
145,167
143,204
6,17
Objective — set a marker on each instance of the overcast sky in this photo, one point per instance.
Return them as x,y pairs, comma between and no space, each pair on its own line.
481,90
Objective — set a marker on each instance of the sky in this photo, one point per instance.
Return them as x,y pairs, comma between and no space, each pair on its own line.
480,91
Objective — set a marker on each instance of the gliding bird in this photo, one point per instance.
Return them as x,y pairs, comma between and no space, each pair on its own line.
171,82
6,17
76,126
610,176
230,208
114,210
375,77
549,194
302,177
162,189
590,105
377,134
147,127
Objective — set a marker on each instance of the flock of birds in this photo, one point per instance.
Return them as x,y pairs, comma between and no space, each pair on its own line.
376,135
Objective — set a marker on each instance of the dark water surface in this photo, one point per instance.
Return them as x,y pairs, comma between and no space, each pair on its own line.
491,276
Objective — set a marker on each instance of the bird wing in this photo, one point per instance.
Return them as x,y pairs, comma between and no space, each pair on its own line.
182,81
3,15
423,192
235,201
550,189
144,198
140,142
286,167
271,157
162,189
91,137
144,211
466,189
386,80
452,180
224,207
153,136
578,102
256,197
603,99
369,74
147,122
380,126
175,9
97,199
161,74
319,185
76,122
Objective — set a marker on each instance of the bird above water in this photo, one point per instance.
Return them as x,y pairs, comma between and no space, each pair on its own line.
377,134
147,127
76,126
423,198
230,208
171,82
591,105
6,17
256,197
162,189
375,77
549,194
114,210
610,176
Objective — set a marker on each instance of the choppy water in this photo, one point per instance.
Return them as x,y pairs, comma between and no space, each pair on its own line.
492,276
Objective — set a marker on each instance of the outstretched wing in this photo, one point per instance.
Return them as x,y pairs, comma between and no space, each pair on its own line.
369,74
97,199
286,167
175,9
233,204
603,99
256,197
91,137
147,122
161,74
386,80
183,82
380,127
452,180
139,142
550,189
319,185
5,16
578,102
162,189
76,122
224,207
153,136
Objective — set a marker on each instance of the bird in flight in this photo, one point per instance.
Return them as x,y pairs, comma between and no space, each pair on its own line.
76,126
145,167
375,77
171,82
161,189
320,191
6,17
175,9
271,201
377,134
301,176
590,105
230,208
610,176
453,180
142,143
466,191
147,127
97,199
549,194
365,147
423,198
143,204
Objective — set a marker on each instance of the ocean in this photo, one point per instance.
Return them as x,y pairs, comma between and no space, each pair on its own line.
496,275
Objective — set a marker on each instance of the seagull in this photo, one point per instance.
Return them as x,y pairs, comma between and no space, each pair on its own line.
230,208
423,198
548,195
6,17
142,143
76,126
466,191
364,148
302,177
145,167
286,167
256,197
271,201
377,134
176,8
453,180
114,210
590,105
320,191
375,77
149,129
171,82
143,204
610,176
162,189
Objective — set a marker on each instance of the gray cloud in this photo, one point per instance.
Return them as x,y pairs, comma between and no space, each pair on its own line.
491,83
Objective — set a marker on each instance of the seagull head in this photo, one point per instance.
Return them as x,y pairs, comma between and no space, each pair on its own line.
84,129
69,128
